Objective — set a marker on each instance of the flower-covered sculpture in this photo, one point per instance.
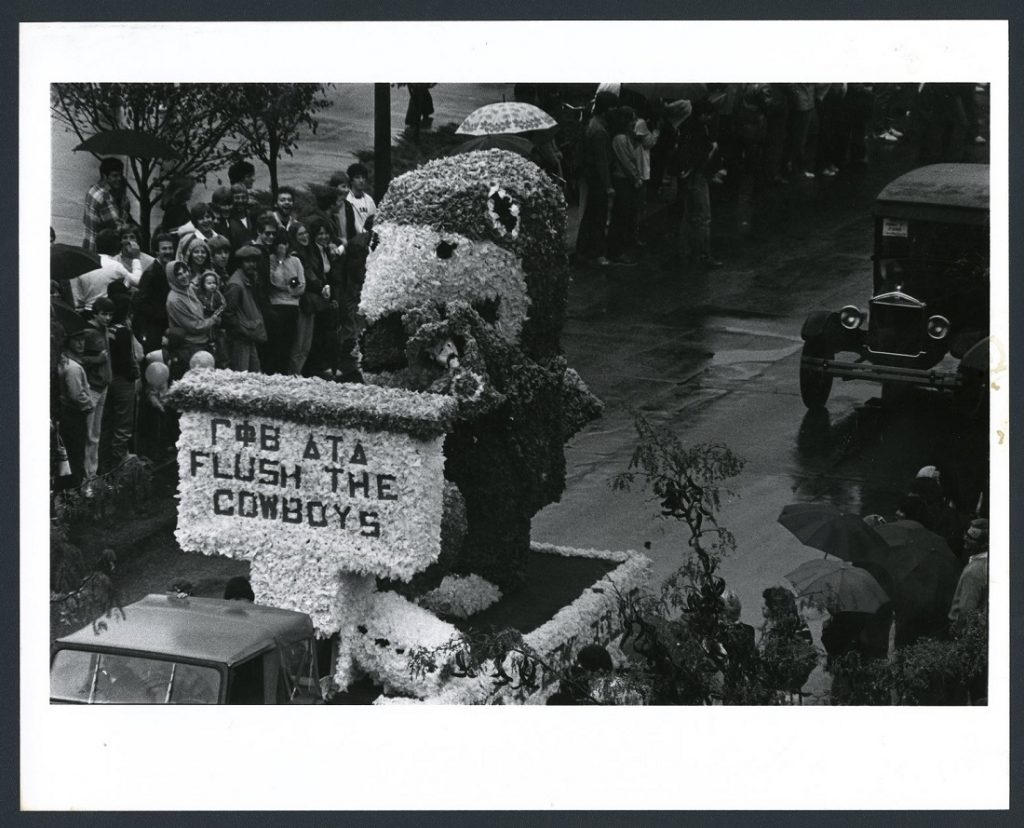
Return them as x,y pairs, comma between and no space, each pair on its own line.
465,295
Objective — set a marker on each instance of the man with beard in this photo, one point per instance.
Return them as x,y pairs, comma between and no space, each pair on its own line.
150,301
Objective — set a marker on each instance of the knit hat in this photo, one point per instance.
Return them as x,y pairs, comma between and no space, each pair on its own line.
678,111
928,471
640,129
978,530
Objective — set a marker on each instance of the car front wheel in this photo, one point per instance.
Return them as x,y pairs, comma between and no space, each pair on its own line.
815,386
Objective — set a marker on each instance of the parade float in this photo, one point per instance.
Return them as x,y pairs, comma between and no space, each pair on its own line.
397,513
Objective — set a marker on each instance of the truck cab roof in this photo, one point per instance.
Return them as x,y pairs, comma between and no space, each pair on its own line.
939,192
199,629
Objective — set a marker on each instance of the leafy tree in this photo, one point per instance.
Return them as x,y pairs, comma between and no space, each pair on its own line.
688,642
273,116
194,119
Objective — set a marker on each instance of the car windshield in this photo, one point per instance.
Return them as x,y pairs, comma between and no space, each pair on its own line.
299,661
108,678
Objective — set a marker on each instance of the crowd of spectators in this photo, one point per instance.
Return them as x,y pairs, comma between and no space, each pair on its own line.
234,283
756,135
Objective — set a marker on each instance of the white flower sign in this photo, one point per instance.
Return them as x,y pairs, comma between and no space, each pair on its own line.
336,497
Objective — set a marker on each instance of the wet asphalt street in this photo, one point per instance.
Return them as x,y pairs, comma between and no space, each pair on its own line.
714,355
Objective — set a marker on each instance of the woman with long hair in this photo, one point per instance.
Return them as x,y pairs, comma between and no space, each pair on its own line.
325,264
314,299
195,253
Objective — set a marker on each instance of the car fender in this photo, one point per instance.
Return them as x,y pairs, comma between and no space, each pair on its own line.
820,324
976,358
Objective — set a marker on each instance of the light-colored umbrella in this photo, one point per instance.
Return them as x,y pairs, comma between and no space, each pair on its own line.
838,584
506,118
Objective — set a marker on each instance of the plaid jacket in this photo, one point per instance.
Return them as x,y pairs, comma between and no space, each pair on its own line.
102,210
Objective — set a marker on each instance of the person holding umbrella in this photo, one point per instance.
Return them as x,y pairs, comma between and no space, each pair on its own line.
106,202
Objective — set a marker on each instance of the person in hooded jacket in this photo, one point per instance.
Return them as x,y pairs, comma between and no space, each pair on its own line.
185,311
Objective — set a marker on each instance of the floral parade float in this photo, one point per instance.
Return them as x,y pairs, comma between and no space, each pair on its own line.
397,513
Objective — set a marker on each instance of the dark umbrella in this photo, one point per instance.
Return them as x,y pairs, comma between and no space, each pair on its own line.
922,569
822,526
840,585
512,143
70,321
68,261
127,142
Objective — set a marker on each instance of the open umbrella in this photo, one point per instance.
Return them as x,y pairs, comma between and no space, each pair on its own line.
508,117
822,526
838,584
512,143
923,570
68,261
69,320
127,142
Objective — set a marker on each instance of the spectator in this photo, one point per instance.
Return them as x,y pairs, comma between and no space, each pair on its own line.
88,287
174,203
150,300
596,166
157,427
119,410
359,205
858,104
644,141
106,203
131,258
284,209
212,300
243,320
776,131
220,254
287,284
830,127
239,589
327,265
801,112
913,507
200,225
750,121
943,519
314,299
346,283
184,310
76,404
96,360
339,182
195,252
328,200
972,589
222,204
242,172
699,162
241,224
626,183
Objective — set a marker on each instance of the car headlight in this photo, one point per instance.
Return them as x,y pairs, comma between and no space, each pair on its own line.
851,317
938,327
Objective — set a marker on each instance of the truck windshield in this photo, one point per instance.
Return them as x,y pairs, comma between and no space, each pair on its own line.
108,678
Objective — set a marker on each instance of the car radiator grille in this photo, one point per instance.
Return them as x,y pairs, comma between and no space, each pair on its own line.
896,330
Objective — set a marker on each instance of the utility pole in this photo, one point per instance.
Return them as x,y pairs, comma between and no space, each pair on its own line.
381,139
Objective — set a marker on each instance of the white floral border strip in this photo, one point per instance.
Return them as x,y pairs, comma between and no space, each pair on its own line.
313,401
593,616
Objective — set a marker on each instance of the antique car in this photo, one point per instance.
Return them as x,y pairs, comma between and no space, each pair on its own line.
169,650
927,322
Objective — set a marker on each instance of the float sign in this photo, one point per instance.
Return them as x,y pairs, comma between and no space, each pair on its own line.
366,501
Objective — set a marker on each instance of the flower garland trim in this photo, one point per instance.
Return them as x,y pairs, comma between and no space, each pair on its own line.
314,401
